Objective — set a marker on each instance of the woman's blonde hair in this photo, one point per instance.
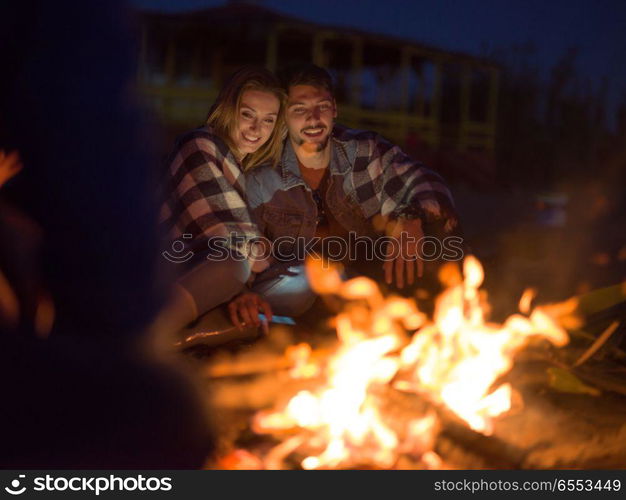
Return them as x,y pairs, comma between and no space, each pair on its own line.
224,114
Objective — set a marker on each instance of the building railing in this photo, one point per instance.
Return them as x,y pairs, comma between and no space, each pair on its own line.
185,103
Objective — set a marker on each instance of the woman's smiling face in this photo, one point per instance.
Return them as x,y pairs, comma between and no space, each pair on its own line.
256,120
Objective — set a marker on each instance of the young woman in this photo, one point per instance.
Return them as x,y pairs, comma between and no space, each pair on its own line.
205,195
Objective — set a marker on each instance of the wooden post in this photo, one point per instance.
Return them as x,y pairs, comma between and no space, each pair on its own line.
405,69
271,57
492,110
196,62
464,122
435,108
170,60
216,67
421,90
317,50
142,70
357,68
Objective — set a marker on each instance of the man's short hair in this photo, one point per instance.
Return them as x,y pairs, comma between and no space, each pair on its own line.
306,74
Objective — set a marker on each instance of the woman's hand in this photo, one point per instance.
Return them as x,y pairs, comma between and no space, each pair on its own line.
10,165
245,308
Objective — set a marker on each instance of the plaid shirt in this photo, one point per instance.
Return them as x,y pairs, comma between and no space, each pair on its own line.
388,182
377,178
205,192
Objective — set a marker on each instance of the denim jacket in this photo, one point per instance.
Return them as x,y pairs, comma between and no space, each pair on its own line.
368,177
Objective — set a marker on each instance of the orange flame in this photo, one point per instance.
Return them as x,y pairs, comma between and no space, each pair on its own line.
452,361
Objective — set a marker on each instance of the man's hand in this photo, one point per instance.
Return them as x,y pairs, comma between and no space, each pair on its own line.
10,165
402,259
245,309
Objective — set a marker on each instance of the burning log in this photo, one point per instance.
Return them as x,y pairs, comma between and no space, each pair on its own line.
551,430
440,430
492,451
268,363
386,396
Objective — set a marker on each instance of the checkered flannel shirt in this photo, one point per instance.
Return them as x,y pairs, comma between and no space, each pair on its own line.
205,192
387,181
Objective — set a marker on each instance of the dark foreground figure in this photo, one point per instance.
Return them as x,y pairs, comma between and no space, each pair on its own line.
88,395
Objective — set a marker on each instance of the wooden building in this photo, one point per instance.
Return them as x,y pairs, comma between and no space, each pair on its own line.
409,92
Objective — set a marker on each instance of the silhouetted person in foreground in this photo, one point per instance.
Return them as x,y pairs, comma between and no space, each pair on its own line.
78,390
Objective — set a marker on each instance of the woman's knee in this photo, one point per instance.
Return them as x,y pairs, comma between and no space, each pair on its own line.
212,283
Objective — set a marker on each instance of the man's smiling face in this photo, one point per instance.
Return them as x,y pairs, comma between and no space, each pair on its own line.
311,111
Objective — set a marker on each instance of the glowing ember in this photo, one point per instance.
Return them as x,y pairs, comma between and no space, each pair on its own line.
452,361
526,300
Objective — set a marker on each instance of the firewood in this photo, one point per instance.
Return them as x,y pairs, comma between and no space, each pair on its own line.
600,341
602,381
407,406
257,364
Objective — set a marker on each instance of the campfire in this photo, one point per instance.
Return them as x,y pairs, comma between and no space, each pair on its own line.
397,377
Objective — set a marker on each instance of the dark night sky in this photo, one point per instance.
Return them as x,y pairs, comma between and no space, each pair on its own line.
596,27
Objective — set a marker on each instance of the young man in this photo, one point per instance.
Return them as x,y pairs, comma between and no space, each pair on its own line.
333,181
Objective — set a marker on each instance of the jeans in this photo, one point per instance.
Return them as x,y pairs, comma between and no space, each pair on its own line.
283,285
